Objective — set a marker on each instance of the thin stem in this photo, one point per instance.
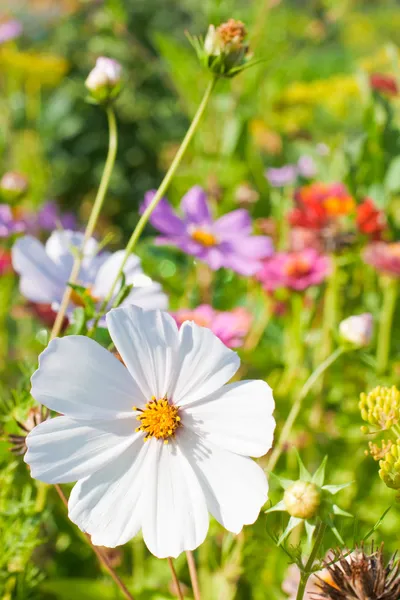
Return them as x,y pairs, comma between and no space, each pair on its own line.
390,289
294,411
193,575
103,559
175,579
330,316
311,559
94,215
157,197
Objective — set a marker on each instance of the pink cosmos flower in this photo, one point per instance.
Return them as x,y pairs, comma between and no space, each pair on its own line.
5,262
294,270
230,326
226,242
384,257
8,223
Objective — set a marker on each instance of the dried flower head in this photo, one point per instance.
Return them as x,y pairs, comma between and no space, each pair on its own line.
361,576
381,407
36,415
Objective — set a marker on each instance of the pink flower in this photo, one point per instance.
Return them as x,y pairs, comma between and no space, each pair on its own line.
294,270
5,262
230,326
384,257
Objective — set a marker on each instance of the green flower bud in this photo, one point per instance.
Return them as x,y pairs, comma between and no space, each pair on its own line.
390,468
302,499
13,186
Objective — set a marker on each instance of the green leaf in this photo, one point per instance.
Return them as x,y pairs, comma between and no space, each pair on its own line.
80,589
338,511
284,483
280,506
43,336
392,179
78,324
334,489
310,528
293,522
304,474
377,524
319,475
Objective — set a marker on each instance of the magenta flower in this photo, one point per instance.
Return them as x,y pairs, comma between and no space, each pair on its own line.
294,270
227,242
8,224
384,257
230,326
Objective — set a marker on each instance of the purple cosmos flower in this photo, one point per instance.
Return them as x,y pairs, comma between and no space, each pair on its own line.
10,30
230,326
294,270
49,217
279,177
384,257
45,271
8,224
226,242
307,167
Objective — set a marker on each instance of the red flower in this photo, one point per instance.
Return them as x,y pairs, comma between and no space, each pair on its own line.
384,83
370,220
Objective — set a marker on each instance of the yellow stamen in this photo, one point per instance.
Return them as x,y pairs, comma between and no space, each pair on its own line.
158,419
78,299
205,238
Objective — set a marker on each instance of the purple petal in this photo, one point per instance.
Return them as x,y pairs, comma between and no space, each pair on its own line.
256,247
237,222
194,206
241,264
163,216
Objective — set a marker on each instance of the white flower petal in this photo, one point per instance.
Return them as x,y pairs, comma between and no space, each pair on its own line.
235,487
108,504
147,342
148,297
79,378
108,271
204,364
61,450
60,244
176,516
238,417
41,280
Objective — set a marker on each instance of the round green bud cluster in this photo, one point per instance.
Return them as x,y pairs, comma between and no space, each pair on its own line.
389,470
302,499
381,407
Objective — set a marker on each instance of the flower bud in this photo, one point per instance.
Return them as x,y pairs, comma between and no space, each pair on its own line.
13,186
224,50
104,81
302,499
390,468
381,407
357,329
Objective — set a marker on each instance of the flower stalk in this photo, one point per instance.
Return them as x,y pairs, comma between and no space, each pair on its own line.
311,559
390,291
175,579
311,381
157,197
193,575
92,222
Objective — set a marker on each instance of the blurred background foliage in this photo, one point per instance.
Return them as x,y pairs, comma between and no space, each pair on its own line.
311,88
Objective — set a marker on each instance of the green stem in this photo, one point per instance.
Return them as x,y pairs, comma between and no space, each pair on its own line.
330,316
294,411
157,197
293,344
94,215
390,290
311,559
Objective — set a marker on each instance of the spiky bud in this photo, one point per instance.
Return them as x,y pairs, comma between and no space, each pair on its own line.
224,50
381,407
302,499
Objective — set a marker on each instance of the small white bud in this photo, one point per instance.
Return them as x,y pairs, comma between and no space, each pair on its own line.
357,329
212,44
105,79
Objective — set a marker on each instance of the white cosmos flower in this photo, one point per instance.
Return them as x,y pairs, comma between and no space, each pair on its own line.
158,443
45,270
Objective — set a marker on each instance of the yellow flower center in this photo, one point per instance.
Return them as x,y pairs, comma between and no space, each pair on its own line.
205,238
78,299
158,419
